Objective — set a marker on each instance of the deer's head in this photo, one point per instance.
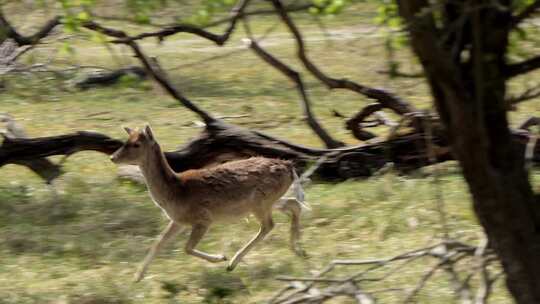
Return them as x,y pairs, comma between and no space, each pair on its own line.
134,150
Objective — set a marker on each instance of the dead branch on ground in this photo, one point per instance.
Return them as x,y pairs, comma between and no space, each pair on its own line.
370,282
47,170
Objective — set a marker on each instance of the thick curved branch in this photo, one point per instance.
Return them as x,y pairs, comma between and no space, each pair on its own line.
526,13
306,105
236,14
10,32
43,167
388,100
353,123
523,67
530,122
14,150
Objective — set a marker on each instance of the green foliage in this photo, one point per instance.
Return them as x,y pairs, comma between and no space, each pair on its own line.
387,14
395,38
518,5
328,7
208,8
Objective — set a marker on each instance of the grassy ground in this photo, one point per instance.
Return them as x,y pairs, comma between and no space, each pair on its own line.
82,244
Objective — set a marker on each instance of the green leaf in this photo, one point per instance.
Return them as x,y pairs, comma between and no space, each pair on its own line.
83,16
142,18
67,49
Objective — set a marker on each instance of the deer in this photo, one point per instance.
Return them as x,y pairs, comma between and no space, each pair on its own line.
197,198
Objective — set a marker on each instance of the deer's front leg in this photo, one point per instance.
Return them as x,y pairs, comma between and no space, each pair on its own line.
197,233
171,230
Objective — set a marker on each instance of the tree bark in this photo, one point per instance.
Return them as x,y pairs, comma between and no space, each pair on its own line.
470,98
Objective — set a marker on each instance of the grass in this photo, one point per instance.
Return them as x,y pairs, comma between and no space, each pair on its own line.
85,244
81,242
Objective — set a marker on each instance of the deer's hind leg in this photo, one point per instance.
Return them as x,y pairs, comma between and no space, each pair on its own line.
291,207
267,224
197,233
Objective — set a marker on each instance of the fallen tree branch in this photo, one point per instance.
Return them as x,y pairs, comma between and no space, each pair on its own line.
355,123
25,149
220,142
107,78
43,167
10,52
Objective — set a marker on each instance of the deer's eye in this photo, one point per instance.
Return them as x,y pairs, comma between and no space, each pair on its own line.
136,145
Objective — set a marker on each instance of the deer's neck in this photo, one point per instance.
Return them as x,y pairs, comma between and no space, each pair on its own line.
160,178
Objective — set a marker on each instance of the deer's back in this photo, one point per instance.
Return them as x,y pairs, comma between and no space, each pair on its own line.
236,187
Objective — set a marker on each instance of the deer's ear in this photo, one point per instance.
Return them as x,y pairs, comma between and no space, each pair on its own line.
148,132
128,130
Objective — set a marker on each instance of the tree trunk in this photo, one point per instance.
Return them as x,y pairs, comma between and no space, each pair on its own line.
470,98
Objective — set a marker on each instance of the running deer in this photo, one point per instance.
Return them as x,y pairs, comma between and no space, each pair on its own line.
197,198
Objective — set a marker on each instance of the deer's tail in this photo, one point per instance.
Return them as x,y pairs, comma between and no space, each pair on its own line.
298,191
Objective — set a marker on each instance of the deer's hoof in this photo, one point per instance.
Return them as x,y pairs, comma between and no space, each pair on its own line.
218,258
230,268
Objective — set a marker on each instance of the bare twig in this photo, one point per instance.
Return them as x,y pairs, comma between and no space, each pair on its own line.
528,94
400,74
153,69
523,67
225,55
9,31
363,288
422,282
297,79
462,288
388,100
236,14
